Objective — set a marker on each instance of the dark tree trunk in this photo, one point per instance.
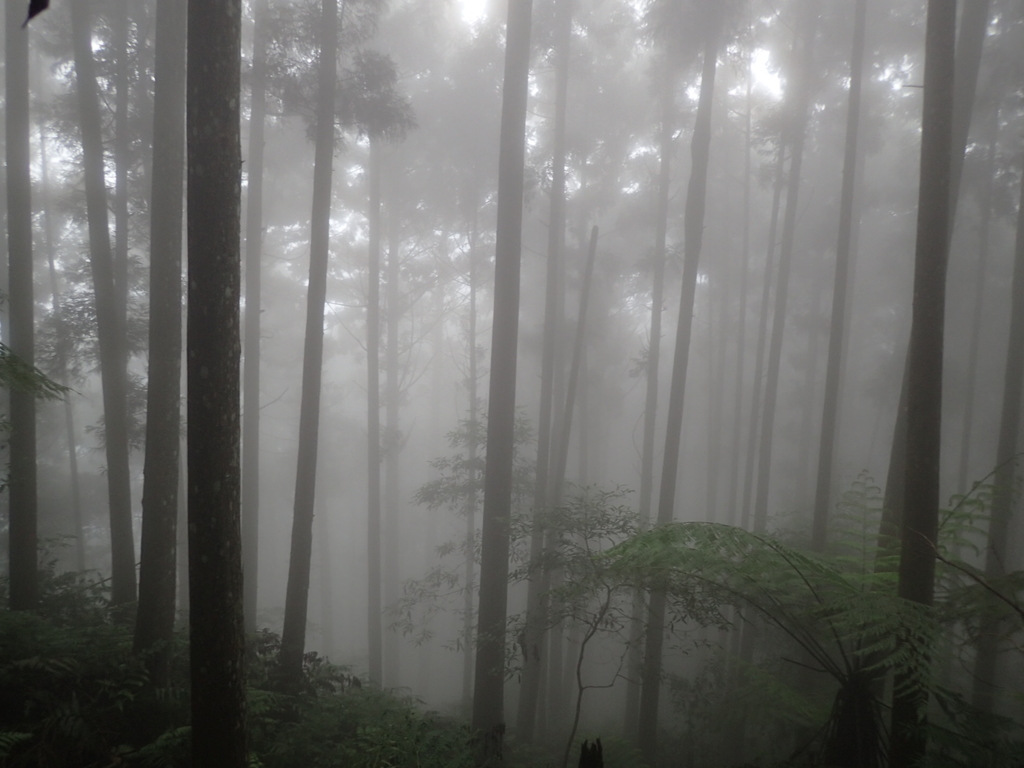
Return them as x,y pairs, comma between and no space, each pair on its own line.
837,330
536,600
214,484
251,350
373,419
969,47
154,625
58,314
693,237
997,555
489,680
22,534
924,404
120,22
636,626
798,114
109,328
293,634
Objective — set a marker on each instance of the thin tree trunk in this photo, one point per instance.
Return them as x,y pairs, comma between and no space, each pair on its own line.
798,114
217,639
22,521
373,420
997,554
392,447
636,625
908,742
980,276
293,634
154,626
488,692
120,27
803,494
58,314
536,598
253,291
110,330
471,483
323,553
693,237
840,289
741,336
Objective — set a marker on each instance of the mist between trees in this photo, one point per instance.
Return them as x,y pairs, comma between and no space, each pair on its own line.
454,383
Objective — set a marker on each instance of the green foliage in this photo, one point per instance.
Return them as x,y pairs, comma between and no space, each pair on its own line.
17,374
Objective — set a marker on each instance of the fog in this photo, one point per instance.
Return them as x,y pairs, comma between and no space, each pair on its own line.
418,100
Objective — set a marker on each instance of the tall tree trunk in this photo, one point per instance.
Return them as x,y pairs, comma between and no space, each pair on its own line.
762,332
741,336
636,625
154,626
22,535
536,600
392,446
293,634
837,329
253,291
217,638
58,314
798,114
323,554
693,237
997,552
980,276
120,27
471,481
109,328
374,607
924,405
489,680
969,47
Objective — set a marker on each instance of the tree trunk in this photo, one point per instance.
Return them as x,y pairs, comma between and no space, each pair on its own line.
969,47
293,634
214,265
536,600
980,276
22,534
636,629
392,446
488,691
997,560
154,625
924,404
373,420
798,114
58,314
837,330
109,329
253,291
120,23
693,237
471,481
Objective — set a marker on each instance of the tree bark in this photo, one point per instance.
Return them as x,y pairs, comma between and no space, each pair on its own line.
293,634
840,290
924,405
798,114
373,420
253,291
536,600
471,480
693,238
997,554
488,690
109,328
22,521
120,23
217,635
154,625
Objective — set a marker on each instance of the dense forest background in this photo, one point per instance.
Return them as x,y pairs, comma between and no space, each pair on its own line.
646,370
